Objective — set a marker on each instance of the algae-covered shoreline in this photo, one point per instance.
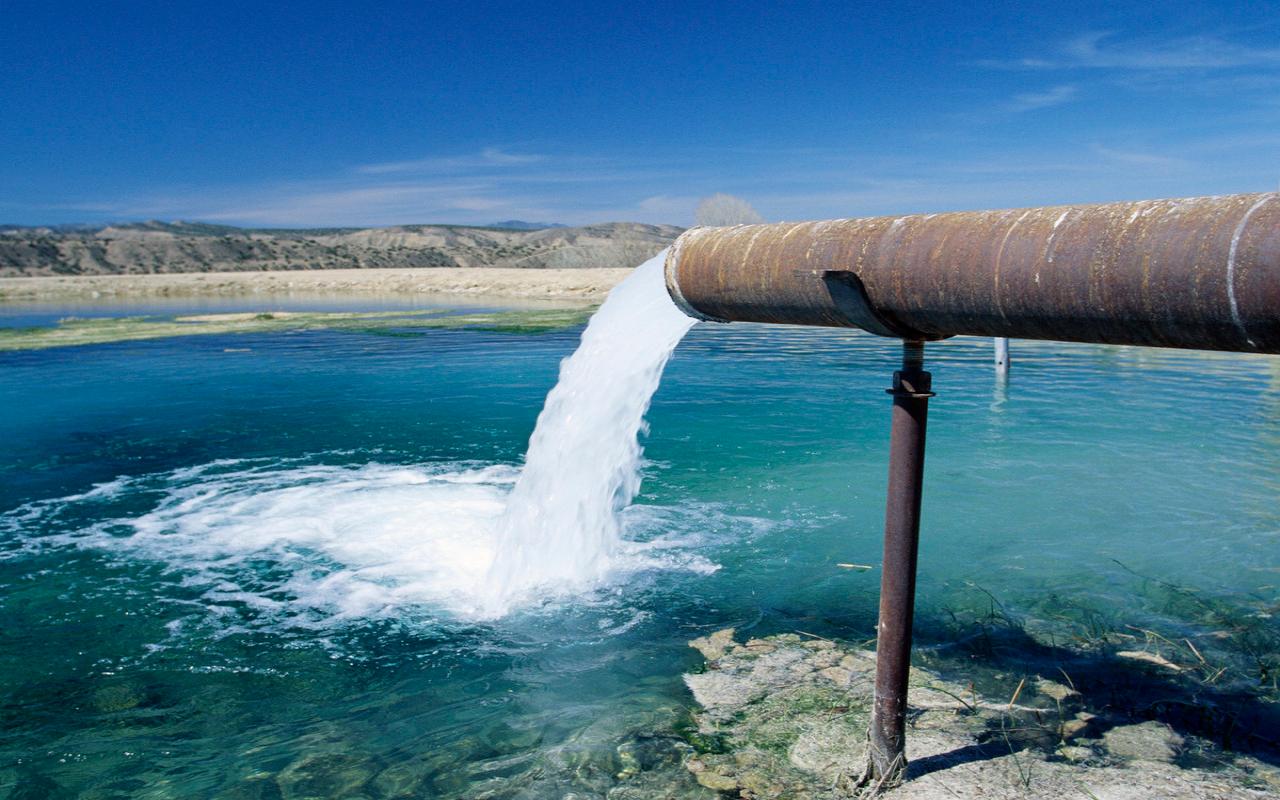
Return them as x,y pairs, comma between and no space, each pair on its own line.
73,331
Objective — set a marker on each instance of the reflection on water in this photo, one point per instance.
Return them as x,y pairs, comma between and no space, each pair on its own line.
1069,501
1000,394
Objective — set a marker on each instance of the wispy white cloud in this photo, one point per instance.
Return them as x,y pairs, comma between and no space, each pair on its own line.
474,188
488,158
368,206
320,203
1033,101
1101,50
1142,159
1108,50
669,206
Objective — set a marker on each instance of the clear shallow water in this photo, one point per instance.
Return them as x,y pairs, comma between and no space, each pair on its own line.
236,599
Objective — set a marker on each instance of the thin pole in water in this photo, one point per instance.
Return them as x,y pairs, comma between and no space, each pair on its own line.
911,393
1002,356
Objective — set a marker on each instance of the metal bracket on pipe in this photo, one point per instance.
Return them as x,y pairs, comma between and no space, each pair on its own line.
901,388
850,297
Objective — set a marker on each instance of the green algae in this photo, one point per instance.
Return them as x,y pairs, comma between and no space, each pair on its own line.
72,331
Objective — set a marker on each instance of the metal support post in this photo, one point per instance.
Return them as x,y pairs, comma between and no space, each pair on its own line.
1002,355
911,393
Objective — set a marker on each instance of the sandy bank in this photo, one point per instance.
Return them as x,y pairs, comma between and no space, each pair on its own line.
554,284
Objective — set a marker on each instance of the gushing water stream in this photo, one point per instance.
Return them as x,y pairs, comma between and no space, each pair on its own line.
560,529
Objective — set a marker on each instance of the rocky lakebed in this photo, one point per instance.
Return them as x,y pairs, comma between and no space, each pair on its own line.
786,716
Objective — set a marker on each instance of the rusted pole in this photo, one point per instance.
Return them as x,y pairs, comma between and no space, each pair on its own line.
911,396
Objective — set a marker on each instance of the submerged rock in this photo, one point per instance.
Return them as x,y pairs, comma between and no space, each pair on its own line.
715,645
27,785
118,697
1056,691
325,775
1150,741
412,777
782,717
254,787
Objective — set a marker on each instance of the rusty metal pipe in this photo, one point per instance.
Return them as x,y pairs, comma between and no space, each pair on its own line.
1199,273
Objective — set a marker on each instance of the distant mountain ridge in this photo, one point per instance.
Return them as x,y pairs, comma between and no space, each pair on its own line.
157,247
521,225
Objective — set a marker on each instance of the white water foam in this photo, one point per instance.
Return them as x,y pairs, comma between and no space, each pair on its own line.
323,544
317,545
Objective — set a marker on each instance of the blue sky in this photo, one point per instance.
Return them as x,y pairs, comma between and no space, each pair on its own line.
312,114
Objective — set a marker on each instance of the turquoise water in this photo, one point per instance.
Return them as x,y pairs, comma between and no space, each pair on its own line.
207,621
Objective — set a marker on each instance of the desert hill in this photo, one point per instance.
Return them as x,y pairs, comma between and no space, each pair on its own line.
160,247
